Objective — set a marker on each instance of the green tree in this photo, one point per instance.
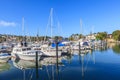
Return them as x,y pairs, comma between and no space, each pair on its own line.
60,38
101,35
71,38
81,36
116,35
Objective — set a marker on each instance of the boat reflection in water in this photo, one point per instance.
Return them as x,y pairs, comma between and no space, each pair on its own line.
97,64
84,60
84,57
27,67
34,70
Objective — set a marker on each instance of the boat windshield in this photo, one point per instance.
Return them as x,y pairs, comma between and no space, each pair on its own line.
18,50
26,49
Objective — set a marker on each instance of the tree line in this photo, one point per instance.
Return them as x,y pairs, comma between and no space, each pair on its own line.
99,36
4,38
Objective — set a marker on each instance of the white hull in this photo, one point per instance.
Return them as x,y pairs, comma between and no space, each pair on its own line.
4,59
26,57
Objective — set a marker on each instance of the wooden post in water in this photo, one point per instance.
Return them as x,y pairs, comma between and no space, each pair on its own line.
79,47
79,52
57,50
57,68
69,50
37,65
56,41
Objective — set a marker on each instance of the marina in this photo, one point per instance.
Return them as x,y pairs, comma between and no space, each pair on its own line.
85,66
59,40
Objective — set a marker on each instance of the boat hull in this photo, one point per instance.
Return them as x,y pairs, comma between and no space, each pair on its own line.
4,59
26,57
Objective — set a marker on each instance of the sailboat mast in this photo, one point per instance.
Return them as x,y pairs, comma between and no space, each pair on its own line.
24,39
80,26
37,34
23,26
92,29
51,21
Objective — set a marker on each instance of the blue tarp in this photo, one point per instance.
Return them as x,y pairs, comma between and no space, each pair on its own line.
59,44
85,44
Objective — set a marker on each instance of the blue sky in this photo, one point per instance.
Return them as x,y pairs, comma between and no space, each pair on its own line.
96,16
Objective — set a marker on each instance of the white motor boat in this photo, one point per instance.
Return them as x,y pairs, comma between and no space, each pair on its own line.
25,53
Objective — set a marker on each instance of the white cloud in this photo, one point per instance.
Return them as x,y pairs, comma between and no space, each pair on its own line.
6,23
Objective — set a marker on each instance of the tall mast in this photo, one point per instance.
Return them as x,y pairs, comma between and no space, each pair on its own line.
51,20
37,34
92,29
23,26
80,26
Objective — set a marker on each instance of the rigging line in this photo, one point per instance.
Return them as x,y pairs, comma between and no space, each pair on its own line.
31,75
59,29
87,63
58,23
47,27
52,72
24,74
56,16
47,72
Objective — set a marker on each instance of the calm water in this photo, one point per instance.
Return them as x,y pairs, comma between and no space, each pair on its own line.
100,64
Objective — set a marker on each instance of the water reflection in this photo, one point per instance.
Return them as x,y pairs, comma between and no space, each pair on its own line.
26,67
84,59
101,48
110,45
116,48
4,67
50,65
87,65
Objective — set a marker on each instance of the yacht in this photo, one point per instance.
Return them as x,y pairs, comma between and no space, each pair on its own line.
25,53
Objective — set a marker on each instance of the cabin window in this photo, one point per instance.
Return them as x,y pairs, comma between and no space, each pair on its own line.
18,50
23,49
28,48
